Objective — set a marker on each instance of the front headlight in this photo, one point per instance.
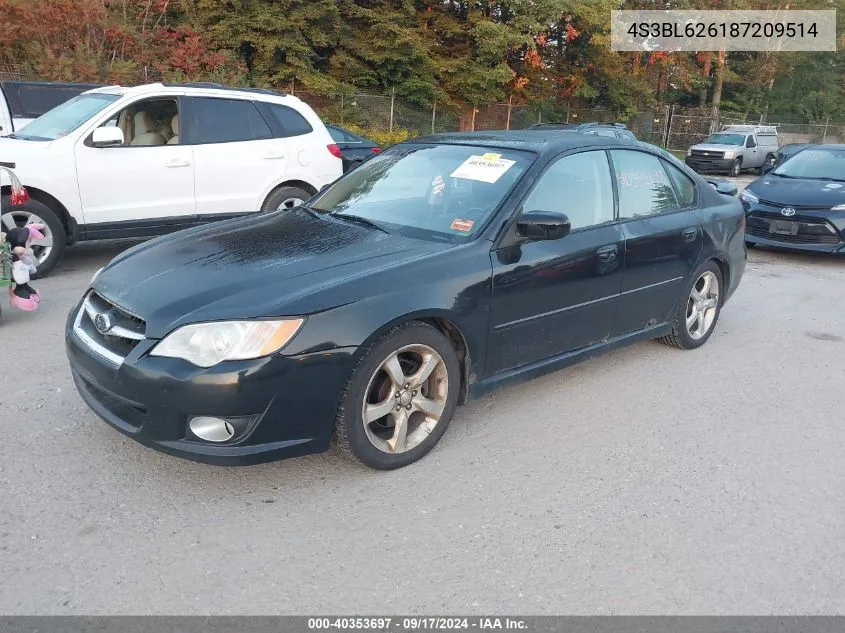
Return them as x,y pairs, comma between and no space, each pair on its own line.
206,344
749,197
838,207
730,154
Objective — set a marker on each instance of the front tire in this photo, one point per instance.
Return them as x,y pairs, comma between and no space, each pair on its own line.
736,167
49,251
696,317
400,398
284,198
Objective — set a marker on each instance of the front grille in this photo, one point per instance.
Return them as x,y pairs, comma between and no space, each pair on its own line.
706,154
792,231
797,207
107,329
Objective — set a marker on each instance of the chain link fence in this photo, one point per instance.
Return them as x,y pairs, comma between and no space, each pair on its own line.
672,127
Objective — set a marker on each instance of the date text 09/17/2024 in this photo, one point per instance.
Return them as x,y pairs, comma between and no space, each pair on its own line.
416,623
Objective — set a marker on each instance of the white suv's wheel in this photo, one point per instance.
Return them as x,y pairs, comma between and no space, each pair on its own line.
285,198
48,251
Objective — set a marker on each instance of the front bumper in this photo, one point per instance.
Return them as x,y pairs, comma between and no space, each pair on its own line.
703,164
281,406
817,231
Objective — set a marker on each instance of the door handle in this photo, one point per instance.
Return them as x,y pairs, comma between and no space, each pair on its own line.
607,253
690,234
274,156
177,163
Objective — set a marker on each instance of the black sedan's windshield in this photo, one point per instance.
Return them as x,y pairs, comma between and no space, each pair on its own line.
427,191
816,164
724,139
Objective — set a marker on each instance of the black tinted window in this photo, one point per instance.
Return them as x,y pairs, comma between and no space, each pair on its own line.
226,121
336,134
288,121
684,185
644,187
750,142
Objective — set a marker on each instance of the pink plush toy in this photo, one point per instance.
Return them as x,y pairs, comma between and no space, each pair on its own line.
21,294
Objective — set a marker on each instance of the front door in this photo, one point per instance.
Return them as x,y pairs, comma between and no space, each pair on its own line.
663,237
551,297
147,181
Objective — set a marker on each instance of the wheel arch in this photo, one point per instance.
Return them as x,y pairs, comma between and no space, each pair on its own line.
446,325
725,270
48,200
300,184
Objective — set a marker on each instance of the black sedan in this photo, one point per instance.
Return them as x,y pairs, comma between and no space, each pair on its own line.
801,203
354,149
437,271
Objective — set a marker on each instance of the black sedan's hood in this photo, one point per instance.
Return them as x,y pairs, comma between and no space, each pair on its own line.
798,191
279,264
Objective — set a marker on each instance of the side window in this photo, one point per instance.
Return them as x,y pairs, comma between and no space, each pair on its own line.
684,186
226,121
578,185
288,122
749,142
644,187
148,122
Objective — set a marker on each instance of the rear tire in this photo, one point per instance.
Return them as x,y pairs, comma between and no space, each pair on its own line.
34,211
698,312
407,409
284,198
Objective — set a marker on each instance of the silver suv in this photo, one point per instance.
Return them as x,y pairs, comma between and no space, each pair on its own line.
735,148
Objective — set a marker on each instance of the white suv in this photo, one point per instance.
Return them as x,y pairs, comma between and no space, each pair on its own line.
137,162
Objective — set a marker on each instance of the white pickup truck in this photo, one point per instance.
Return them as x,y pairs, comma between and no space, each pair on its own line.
120,162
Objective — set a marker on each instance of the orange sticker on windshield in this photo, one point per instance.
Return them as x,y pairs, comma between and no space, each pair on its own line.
464,226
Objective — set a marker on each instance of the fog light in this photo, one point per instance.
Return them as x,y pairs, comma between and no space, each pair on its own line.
211,429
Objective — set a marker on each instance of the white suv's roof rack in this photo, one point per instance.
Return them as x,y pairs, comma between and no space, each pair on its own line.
754,129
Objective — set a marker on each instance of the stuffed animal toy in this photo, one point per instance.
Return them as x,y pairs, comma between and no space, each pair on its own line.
21,294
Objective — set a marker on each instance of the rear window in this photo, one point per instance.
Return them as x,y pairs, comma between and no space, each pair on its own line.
216,120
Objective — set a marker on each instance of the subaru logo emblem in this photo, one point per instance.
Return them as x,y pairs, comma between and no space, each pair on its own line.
706,154
103,323
787,211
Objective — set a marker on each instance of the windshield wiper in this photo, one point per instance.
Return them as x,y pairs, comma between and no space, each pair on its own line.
359,220
829,179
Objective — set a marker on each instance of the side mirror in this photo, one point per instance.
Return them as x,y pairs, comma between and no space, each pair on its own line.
107,137
543,225
725,187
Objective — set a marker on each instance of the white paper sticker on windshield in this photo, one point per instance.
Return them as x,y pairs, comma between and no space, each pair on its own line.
486,168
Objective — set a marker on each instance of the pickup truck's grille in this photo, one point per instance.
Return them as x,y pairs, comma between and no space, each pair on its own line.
707,153
106,329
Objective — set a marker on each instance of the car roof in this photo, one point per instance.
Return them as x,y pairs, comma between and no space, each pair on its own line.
536,140
198,88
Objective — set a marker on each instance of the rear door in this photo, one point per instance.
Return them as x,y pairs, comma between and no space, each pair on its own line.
663,237
235,154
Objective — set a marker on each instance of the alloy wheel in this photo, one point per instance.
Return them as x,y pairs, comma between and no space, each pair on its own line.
702,305
405,398
289,203
18,218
